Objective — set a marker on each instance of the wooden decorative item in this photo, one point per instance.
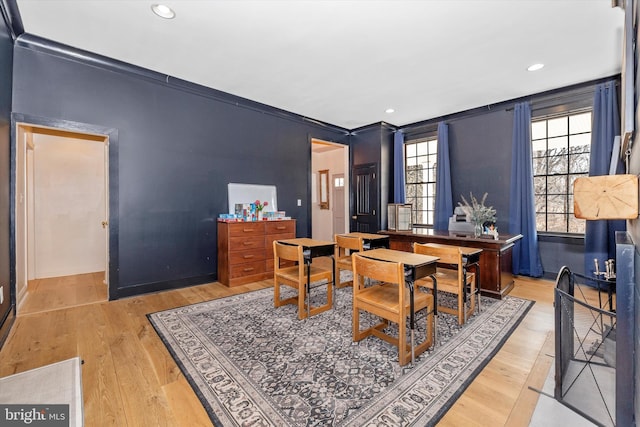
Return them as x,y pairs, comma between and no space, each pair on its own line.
606,197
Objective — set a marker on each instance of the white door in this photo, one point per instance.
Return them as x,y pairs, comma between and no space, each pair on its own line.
337,186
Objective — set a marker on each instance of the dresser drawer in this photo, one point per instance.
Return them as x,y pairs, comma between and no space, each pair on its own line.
249,255
246,242
247,269
246,229
280,227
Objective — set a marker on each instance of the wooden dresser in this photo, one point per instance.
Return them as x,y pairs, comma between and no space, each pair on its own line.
245,249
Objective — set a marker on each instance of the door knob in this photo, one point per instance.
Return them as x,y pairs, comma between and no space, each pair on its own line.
104,224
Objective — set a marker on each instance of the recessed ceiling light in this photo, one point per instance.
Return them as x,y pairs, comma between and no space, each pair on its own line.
535,67
163,11
389,110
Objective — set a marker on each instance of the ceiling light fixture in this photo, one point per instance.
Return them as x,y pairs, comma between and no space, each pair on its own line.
163,11
389,110
535,67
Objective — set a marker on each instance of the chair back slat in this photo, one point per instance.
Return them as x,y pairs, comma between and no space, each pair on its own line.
383,271
447,254
286,252
348,242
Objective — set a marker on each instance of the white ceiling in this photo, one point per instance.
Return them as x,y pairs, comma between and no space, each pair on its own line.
346,62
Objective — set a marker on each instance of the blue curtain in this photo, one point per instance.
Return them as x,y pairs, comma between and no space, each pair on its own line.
444,200
398,167
522,212
599,241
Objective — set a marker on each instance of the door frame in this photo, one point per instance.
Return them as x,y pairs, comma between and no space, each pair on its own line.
346,153
111,135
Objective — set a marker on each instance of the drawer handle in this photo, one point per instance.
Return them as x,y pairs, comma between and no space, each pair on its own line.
248,269
247,230
281,227
248,256
248,243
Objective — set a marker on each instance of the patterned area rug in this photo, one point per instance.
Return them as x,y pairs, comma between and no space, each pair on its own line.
253,364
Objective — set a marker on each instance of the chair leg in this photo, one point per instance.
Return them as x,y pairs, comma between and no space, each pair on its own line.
355,333
302,294
404,355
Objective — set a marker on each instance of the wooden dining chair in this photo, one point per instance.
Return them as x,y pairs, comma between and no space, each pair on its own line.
345,247
451,278
296,277
385,295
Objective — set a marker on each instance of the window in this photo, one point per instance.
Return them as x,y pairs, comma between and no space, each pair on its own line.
420,178
561,147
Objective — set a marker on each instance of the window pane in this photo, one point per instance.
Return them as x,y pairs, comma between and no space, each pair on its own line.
576,225
422,148
541,203
580,123
540,166
557,203
558,126
579,163
580,143
540,185
433,146
539,147
557,222
541,222
539,130
558,145
557,184
558,165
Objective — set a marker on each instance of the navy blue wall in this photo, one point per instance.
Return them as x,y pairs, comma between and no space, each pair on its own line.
480,156
6,67
177,151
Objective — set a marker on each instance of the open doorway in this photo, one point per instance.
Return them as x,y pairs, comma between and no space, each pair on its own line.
328,220
61,218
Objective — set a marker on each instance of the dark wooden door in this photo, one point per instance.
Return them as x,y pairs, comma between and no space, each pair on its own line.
365,190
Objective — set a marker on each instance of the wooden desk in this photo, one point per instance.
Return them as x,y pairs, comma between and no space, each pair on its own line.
496,277
370,240
416,267
311,249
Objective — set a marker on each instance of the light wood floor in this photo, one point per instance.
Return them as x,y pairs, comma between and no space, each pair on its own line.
129,378
64,292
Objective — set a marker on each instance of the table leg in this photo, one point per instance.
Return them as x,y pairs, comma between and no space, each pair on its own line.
308,296
435,309
411,321
333,274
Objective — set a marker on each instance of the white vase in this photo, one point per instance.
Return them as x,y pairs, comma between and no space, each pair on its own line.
259,215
